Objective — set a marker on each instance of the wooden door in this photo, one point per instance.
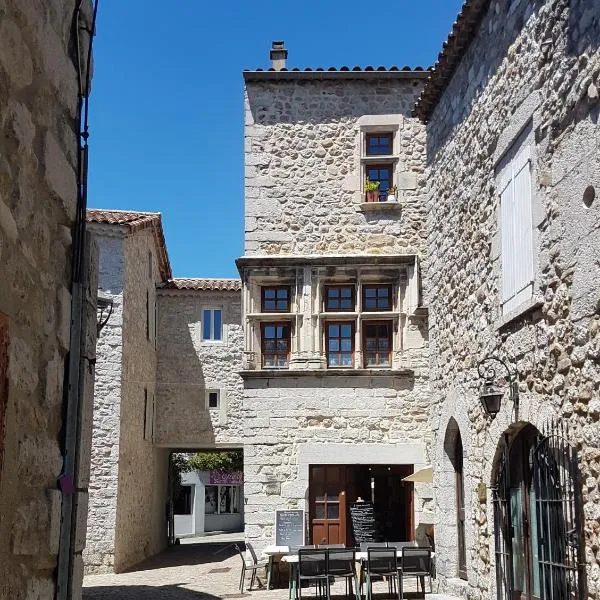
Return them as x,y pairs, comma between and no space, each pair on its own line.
460,508
327,498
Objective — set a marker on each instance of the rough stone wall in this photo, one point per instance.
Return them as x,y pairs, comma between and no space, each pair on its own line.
141,528
187,367
103,487
38,149
302,170
530,61
293,422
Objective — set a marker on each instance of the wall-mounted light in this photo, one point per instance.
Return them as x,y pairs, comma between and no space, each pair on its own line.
103,311
493,390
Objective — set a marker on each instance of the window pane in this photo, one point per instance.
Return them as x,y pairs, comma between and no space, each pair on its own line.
346,345
213,400
334,304
282,293
334,345
217,324
346,330
370,292
334,360
333,292
269,293
210,499
269,304
281,331
347,304
346,293
347,360
282,305
319,511
334,331
282,346
333,511
206,322
269,331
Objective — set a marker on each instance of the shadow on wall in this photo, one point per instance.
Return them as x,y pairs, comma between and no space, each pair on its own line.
182,416
163,592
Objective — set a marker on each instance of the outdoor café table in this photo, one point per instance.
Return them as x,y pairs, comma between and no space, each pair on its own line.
271,552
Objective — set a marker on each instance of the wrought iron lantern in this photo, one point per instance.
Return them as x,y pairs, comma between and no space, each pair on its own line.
492,392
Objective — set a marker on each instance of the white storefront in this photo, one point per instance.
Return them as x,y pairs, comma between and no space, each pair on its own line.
211,501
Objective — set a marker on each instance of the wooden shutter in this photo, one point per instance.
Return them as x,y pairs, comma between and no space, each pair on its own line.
517,230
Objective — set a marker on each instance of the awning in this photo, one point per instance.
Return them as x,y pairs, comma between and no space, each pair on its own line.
424,475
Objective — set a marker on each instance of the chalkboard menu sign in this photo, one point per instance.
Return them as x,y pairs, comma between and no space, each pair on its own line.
289,527
364,527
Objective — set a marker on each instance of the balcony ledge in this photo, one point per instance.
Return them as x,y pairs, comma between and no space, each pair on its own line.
277,373
374,206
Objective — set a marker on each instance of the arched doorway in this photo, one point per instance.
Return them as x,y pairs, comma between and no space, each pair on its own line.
537,518
453,449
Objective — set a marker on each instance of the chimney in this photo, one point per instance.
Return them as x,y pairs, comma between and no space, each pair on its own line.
278,55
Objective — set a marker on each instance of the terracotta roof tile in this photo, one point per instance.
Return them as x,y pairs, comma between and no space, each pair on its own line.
205,285
135,221
453,50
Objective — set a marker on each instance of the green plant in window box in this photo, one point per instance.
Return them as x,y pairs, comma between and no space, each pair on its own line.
372,190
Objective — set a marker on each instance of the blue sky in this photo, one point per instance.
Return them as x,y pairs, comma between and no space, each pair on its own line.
167,101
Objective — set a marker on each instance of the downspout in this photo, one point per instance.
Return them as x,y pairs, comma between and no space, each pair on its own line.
71,432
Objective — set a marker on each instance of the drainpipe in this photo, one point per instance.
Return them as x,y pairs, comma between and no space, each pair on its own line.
71,432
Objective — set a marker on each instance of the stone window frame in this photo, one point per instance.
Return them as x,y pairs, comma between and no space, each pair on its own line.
210,341
207,394
522,127
369,124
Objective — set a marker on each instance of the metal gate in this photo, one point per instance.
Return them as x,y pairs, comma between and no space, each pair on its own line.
558,497
557,486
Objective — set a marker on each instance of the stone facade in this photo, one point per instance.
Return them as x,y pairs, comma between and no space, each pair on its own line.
38,198
128,487
532,66
188,367
307,227
303,170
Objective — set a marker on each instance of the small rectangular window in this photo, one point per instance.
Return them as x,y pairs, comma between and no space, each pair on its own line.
212,328
379,144
339,298
377,297
221,499
148,415
213,399
275,299
275,345
377,344
340,344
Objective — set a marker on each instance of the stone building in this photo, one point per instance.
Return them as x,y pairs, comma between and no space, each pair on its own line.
513,235
166,379
199,391
128,486
336,396
47,301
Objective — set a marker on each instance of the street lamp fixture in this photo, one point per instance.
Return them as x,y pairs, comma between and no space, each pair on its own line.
494,384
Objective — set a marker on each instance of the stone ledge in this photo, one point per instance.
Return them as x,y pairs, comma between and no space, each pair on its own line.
371,206
277,373
524,309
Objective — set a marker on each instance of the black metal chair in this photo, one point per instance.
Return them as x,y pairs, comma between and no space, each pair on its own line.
253,566
342,563
382,562
313,568
328,546
400,545
416,562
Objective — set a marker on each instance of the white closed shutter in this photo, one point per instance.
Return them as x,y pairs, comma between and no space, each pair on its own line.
516,230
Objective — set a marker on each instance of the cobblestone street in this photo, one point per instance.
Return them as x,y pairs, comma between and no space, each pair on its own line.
198,571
